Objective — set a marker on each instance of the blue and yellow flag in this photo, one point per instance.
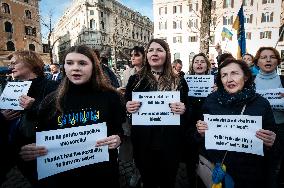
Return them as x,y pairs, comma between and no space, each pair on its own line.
239,25
226,33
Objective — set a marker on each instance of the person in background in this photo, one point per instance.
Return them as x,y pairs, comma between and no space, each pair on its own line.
83,89
200,66
28,66
248,58
157,163
267,59
110,75
214,68
177,67
236,95
137,59
221,57
55,73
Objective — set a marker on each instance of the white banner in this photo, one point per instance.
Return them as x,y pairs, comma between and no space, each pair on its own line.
70,148
233,133
9,99
274,97
199,85
155,108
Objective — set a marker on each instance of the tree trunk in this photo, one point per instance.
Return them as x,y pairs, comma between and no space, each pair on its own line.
49,48
205,26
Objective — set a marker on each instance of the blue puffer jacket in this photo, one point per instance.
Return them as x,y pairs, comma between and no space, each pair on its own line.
247,170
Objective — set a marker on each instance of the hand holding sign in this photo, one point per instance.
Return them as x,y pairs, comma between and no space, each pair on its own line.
267,136
26,102
201,127
112,141
133,106
31,152
177,107
10,114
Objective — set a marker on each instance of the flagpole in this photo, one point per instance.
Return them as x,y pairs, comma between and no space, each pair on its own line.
279,37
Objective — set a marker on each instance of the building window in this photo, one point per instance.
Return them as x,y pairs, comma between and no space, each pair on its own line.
177,9
177,39
248,35
91,12
103,24
102,14
92,24
31,47
10,46
28,30
228,4
248,18
190,7
267,1
176,56
192,39
227,20
5,8
265,35
162,10
248,2
26,1
267,17
281,31
193,23
28,14
212,40
177,24
8,27
162,25
213,5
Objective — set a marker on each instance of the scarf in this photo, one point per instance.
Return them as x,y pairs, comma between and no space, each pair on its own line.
240,98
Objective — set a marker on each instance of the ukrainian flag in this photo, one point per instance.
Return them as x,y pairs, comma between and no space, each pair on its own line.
239,25
226,33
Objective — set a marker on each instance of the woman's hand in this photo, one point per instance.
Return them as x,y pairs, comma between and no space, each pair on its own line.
201,127
26,102
10,114
133,106
267,136
31,152
112,141
214,88
177,107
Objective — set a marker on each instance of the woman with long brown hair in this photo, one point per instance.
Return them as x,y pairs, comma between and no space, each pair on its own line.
84,90
157,149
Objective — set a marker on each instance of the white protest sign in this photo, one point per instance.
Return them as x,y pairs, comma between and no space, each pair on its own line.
155,108
233,133
274,98
199,85
9,99
70,148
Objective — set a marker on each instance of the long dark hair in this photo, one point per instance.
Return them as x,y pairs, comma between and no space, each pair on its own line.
168,79
246,70
98,80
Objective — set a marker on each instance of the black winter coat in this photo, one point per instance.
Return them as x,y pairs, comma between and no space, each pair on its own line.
247,170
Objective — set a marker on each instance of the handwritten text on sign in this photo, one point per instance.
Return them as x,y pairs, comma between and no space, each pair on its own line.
10,97
233,133
155,108
70,148
274,98
199,85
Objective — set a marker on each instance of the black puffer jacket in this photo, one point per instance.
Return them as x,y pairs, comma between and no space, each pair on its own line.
247,170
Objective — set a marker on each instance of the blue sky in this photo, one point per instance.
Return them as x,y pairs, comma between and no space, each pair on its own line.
57,7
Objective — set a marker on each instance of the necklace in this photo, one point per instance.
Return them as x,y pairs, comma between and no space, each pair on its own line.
157,73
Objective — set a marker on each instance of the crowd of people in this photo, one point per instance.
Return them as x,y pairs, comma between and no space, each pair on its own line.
85,84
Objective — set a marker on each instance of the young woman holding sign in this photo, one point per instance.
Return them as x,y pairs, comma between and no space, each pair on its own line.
236,95
267,59
157,149
83,98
